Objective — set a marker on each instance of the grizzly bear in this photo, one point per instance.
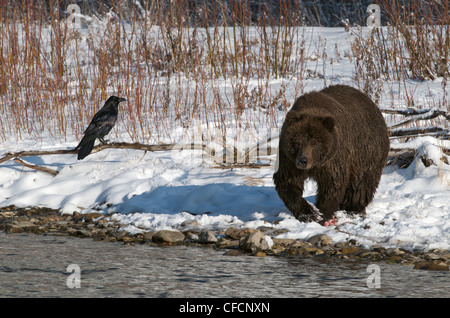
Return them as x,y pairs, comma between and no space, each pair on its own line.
337,137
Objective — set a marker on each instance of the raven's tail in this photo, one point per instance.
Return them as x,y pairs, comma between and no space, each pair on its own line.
85,147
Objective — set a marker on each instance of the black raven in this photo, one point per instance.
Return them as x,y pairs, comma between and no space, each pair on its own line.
100,126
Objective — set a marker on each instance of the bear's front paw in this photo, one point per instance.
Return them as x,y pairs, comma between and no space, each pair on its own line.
330,222
312,216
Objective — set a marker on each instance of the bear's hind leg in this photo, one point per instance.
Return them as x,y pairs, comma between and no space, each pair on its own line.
327,203
358,195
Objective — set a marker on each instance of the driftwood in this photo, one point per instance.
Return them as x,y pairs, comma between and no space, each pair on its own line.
36,167
414,115
404,157
123,145
222,161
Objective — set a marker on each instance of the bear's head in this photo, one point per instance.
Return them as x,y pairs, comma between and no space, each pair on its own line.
309,140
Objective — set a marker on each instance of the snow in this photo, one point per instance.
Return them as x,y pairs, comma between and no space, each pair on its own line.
151,192
166,190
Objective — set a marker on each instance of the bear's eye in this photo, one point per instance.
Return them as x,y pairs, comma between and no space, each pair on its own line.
294,146
313,142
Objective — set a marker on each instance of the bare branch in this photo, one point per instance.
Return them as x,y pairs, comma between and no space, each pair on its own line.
415,115
36,167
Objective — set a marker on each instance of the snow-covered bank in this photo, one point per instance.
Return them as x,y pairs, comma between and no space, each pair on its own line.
153,191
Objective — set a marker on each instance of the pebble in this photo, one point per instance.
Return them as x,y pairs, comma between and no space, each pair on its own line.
237,234
20,226
233,253
168,236
394,251
283,241
349,249
238,241
432,266
226,243
320,240
260,254
254,242
207,237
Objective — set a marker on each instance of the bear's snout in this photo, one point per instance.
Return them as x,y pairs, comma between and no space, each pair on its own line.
302,162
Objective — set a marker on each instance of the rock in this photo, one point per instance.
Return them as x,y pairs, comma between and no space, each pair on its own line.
445,255
77,216
119,235
20,226
226,243
349,249
378,248
189,224
237,234
320,240
394,251
168,236
432,256
256,241
438,266
232,253
342,244
369,254
83,233
394,259
62,224
312,250
89,217
299,243
207,237
7,214
297,251
128,239
279,232
432,266
191,236
283,242
278,248
260,254
11,228
266,229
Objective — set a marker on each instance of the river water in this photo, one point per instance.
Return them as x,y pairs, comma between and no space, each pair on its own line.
54,266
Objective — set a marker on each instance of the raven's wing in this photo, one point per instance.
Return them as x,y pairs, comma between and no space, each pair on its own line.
101,121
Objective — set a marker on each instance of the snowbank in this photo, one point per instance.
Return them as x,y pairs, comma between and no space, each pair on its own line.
153,191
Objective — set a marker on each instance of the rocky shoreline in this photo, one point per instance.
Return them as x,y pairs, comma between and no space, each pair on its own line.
259,242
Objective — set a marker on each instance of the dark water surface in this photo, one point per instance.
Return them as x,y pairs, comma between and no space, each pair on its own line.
46,266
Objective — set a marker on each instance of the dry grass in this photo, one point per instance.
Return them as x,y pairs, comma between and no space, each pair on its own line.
414,46
175,72
55,77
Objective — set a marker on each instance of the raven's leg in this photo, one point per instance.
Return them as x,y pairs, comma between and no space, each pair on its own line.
103,141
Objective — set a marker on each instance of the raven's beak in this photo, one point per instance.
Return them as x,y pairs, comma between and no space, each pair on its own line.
122,99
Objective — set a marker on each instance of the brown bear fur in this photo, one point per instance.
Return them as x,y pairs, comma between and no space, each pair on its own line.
337,137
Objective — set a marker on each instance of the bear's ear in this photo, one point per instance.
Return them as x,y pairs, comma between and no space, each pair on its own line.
292,117
328,122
